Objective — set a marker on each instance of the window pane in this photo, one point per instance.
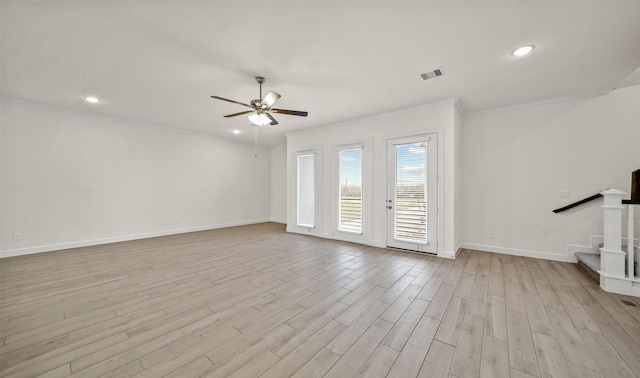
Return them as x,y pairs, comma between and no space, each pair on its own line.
350,206
411,190
306,191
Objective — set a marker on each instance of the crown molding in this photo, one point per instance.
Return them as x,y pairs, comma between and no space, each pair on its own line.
375,116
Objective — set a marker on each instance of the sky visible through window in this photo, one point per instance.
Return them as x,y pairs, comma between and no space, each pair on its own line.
352,159
410,218
410,160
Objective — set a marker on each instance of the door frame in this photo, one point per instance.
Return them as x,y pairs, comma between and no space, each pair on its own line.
439,185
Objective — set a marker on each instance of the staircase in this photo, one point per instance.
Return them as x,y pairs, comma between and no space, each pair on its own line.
616,267
590,262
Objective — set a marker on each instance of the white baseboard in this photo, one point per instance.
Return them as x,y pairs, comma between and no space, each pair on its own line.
518,252
277,220
620,285
447,254
115,239
378,243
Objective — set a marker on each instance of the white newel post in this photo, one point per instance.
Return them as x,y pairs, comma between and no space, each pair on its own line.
612,258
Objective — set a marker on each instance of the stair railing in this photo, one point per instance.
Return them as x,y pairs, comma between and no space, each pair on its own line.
578,203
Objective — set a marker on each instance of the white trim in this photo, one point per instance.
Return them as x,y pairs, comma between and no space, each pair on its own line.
441,193
594,247
123,120
116,239
374,116
620,285
441,178
552,100
439,133
278,220
317,152
367,193
447,254
595,241
458,104
517,252
378,243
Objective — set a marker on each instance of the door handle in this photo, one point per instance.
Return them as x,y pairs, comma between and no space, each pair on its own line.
389,207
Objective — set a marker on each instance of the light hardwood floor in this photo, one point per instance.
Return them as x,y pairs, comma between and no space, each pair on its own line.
255,301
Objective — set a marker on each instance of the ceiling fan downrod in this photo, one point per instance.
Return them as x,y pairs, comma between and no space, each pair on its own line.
260,81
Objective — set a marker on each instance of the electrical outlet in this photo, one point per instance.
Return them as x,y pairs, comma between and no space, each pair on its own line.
563,193
492,235
17,236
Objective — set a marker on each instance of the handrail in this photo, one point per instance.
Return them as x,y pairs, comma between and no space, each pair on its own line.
578,203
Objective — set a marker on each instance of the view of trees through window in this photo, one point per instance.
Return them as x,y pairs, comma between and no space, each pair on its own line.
411,192
350,206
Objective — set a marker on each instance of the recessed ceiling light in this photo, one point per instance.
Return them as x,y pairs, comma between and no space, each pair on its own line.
236,131
91,99
524,50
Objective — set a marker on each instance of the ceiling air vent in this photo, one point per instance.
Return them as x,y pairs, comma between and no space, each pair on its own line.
431,74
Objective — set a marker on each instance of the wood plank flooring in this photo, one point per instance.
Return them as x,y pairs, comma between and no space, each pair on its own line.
255,301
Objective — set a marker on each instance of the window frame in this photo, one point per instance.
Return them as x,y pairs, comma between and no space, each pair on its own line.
317,185
366,176
438,169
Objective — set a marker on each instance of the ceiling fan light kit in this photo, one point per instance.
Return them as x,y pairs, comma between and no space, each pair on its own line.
260,114
259,119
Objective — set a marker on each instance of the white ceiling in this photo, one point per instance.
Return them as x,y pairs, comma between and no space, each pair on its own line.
158,62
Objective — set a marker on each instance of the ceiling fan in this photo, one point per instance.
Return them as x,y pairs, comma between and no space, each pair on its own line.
260,113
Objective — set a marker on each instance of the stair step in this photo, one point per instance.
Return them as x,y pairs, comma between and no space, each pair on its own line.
591,262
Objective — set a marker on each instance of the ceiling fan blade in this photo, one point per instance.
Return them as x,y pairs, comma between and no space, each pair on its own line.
273,120
237,114
290,112
226,99
270,99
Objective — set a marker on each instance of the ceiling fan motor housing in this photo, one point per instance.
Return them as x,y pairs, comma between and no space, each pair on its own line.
258,105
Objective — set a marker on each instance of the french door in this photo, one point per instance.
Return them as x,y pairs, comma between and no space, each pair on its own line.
412,193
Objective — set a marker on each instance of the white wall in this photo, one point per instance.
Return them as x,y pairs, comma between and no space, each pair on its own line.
279,183
438,117
71,179
516,160
457,178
